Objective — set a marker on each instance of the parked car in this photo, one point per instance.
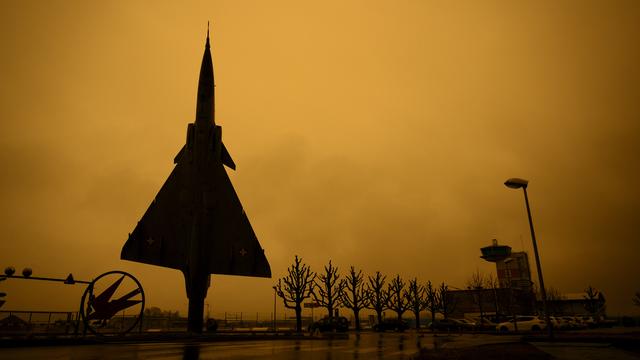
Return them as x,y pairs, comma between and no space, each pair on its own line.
211,325
588,321
525,323
391,324
570,323
485,324
335,324
579,324
491,317
448,325
468,324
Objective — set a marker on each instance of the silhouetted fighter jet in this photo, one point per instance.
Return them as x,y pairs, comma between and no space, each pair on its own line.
196,223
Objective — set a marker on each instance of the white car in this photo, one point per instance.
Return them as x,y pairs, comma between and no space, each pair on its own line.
525,323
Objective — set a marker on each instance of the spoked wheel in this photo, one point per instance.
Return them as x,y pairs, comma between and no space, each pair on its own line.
112,304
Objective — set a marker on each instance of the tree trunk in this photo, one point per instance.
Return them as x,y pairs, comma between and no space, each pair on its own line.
298,318
379,313
496,306
417,314
356,314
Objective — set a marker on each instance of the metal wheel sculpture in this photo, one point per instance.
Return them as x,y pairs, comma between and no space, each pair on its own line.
113,304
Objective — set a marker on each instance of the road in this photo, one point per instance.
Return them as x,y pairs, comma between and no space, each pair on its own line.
585,351
365,346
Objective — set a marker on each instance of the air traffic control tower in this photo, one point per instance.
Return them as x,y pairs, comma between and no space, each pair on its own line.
512,267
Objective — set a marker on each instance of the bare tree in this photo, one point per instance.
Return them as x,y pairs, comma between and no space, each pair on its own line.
554,301
376,295
492,283
446,300
415,296
507,302
594,302
2,294
354,295
476,285
295,287
431,300
328,289
636,299
395,296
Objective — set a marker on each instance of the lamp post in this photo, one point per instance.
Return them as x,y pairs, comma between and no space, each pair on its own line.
515,183
275,291
508,261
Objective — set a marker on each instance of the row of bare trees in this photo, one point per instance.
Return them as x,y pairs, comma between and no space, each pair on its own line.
501,302
356,293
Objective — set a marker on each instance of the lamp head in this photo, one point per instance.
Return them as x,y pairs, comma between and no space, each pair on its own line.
9,270
516,183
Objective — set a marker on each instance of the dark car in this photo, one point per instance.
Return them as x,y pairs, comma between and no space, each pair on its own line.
211,325
337,324
391,324
448,325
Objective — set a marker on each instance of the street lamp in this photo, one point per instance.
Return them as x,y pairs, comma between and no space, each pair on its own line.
516,183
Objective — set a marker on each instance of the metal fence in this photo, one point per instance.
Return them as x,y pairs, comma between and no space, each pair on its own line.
54,322
68,322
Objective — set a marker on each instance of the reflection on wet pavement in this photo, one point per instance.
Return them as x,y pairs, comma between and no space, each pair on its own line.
191,352
356,346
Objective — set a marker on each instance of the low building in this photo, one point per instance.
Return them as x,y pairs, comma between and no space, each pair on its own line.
496,304
576,304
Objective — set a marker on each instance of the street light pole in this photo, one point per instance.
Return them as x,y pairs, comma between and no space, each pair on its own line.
515,183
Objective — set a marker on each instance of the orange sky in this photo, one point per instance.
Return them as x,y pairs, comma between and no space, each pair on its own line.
373,133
